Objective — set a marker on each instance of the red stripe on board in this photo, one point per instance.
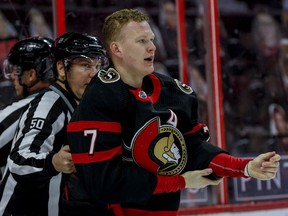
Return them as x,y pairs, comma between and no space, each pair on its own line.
133,212
101,126
85,158
59,17
216,90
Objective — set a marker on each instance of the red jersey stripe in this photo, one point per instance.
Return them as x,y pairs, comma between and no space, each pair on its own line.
195,128
134,212
167,184
101,126
85,158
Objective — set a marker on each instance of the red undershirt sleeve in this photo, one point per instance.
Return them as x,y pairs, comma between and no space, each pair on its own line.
167,184
225,165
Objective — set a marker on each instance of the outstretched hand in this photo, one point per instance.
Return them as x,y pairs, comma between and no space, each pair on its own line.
62,160
264,166
198,179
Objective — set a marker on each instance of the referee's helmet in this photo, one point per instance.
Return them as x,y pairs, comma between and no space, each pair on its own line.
31,53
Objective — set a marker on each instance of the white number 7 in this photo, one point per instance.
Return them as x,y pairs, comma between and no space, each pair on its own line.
93,138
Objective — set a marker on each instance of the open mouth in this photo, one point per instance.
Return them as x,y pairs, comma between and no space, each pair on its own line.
150,59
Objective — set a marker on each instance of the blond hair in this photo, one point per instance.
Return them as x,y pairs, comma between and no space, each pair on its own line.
115,22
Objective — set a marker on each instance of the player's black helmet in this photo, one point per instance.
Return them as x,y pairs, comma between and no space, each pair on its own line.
31,53
74,45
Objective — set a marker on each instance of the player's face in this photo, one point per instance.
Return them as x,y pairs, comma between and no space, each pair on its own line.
80,74
17,86
137,48
15,79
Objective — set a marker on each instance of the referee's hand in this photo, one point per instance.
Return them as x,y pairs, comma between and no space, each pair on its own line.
198,179
62,160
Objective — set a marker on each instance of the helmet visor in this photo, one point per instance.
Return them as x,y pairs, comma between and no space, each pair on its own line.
95,62
10,70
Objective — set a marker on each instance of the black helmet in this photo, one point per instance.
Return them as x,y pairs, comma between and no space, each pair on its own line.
74,45
33,52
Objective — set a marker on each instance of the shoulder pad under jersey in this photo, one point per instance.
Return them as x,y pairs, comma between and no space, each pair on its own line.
107,91
169,81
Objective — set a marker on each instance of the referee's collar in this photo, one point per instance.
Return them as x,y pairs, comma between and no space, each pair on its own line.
68,96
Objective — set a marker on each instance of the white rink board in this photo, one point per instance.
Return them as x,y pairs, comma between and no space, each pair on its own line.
274,212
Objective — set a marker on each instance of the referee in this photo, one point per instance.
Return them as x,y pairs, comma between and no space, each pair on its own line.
33,181
29,66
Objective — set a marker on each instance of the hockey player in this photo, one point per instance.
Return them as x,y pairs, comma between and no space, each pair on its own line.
135,138
29,66
33,180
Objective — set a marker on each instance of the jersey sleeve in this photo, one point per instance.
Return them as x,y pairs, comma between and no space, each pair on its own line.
38,130
94,136
9,117
196,134
201,153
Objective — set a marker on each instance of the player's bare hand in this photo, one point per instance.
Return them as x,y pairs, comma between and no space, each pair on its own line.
197,179
62,160
265,166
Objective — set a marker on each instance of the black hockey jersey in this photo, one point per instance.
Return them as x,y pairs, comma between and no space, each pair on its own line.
121,138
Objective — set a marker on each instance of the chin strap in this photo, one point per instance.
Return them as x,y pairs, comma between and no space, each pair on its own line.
67,86
67,67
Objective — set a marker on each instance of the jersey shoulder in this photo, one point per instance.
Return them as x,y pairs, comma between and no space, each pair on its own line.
44,102
172,83
106,90
18,105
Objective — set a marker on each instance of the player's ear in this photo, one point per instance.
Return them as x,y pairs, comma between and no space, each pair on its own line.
32,74
115,49
60,70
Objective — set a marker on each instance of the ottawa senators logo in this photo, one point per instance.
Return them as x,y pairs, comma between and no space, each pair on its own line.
185,88
109,76
159,148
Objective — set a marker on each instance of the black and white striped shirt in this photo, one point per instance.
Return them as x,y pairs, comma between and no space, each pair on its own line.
9,117
31,185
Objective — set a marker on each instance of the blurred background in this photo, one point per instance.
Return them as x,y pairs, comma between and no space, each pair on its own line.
251,58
